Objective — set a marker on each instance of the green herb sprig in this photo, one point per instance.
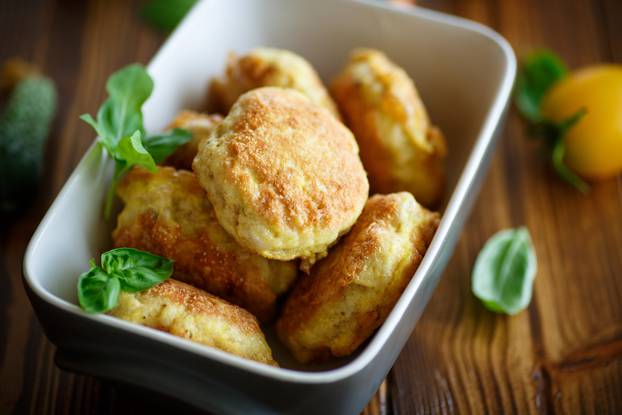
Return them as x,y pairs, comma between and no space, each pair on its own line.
120,131
504,272
122,269
540,71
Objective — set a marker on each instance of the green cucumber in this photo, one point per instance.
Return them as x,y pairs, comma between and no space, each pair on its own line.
24,127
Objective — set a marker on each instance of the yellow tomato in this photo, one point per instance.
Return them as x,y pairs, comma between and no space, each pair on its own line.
594,144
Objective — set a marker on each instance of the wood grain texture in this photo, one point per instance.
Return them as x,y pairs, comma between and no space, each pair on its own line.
562,355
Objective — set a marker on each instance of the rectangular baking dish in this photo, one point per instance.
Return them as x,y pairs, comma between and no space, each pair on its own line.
464,72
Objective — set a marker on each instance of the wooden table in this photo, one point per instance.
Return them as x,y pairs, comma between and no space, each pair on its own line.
563,355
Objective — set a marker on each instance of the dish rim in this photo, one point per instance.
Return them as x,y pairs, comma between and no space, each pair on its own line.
382,335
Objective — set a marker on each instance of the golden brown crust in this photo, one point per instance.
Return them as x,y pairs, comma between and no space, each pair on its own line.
270,67
193,314
200,126
349,293
168,213
283,175
399,148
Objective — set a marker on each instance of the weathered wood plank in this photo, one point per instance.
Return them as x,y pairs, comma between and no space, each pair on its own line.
77,44
611,12
564,354
462,359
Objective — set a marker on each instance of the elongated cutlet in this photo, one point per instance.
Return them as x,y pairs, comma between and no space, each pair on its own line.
193,314
350,292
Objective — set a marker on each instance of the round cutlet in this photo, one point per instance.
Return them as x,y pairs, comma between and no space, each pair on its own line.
400,149
350,292
167,212
283,175
193,314
270,67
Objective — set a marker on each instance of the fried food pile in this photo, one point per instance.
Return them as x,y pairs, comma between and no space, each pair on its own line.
267,215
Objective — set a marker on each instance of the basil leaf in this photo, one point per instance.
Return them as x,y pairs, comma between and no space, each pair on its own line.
121,115
119,126
166,14
539,72
131,152
128,88
124,269
101,132
107,119
97,291
139,279
137,270
161,146
504,272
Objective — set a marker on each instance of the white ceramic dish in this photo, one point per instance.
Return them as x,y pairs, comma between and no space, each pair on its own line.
464,72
